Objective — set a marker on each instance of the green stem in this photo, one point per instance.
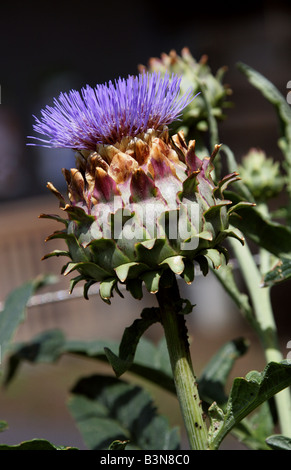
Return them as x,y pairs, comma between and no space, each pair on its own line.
183,374
265,325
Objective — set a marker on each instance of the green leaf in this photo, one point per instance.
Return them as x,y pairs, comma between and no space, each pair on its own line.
280,273
46,347
107,409
272,94
151,362
279,442
35,444
118,445
271,236
213,379
49,346
130,340
15,308
246,395
252,431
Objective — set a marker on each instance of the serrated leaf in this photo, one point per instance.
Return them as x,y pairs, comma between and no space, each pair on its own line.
48,347
246,395
151,362
107,409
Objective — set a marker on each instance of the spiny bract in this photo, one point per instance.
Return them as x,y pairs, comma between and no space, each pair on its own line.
143,208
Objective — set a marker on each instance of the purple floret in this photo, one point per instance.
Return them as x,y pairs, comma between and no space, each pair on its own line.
107,113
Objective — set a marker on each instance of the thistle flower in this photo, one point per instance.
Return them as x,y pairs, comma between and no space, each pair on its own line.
142,206
107,113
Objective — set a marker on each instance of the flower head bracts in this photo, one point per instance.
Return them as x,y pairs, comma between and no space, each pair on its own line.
107,113
141,203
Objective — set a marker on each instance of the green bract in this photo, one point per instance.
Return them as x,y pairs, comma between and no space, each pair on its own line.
141,210
261,175
198,76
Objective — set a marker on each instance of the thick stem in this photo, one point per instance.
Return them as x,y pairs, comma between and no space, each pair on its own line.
183,374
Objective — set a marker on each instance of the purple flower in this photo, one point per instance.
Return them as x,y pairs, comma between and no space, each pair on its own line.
107,113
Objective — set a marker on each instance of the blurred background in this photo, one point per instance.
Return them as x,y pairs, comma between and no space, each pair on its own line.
51,47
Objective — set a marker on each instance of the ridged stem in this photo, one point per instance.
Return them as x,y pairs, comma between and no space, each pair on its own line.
185,381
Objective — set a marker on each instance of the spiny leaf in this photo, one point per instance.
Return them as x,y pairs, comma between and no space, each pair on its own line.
245,396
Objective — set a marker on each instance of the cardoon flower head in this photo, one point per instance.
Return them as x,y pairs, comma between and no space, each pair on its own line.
107,113
141,205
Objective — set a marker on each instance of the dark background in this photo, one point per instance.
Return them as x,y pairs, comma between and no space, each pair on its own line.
48,47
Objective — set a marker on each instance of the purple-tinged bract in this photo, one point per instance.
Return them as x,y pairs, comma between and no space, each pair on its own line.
107,113
141,206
